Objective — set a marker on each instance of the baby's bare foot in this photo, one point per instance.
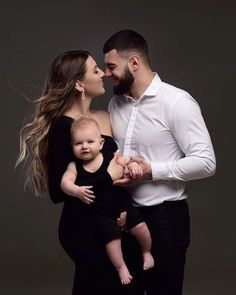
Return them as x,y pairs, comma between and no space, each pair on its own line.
124,275
148,261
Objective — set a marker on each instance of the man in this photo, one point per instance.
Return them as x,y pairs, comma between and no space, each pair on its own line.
161,128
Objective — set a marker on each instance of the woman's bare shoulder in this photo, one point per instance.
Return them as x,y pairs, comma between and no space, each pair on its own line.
103,119
101,115
100,112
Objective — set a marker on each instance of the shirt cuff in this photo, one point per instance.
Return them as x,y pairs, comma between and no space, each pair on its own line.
160,171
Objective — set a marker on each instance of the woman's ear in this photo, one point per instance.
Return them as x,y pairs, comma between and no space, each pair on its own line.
79,86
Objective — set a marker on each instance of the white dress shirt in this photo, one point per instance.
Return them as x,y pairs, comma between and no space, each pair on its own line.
166,128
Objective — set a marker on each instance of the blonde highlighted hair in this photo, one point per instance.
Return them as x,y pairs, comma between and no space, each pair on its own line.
58,95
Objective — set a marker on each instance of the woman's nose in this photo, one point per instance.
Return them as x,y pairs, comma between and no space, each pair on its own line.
102,73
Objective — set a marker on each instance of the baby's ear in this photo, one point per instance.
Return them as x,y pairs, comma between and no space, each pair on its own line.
102,142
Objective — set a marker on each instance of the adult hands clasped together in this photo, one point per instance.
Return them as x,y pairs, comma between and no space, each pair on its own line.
125,172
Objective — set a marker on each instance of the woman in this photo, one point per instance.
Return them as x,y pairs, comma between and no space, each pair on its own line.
74,80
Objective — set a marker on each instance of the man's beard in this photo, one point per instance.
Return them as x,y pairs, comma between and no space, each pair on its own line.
125,83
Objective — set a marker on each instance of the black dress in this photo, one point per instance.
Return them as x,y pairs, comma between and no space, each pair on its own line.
94,273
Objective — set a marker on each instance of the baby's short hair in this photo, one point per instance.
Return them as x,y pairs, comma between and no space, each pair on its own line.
83,121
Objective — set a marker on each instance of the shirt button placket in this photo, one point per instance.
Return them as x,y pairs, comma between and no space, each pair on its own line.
129,132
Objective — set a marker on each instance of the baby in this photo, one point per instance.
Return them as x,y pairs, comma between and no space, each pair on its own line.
106,202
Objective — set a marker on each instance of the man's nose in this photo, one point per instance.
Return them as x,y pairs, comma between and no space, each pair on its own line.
108,72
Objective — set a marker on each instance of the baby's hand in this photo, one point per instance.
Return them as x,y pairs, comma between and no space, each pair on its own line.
86,194
135,170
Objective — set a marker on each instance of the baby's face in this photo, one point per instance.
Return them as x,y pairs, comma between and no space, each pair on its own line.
87,143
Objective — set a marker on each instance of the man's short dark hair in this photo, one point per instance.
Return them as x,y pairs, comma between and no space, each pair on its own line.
128,40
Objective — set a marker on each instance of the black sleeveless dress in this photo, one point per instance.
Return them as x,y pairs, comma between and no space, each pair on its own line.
94,273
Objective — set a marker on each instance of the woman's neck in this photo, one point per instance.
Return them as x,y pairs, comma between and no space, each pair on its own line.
79,108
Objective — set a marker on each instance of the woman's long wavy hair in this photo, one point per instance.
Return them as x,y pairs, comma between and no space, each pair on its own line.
57,97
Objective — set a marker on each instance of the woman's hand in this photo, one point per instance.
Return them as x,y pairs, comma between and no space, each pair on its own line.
121,220
85,194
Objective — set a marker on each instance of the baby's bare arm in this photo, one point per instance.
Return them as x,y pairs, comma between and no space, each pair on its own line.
70,188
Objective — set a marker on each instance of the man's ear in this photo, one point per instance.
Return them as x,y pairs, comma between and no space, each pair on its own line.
79,86
134,62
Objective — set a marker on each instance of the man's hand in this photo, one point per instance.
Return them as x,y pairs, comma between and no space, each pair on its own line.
147,173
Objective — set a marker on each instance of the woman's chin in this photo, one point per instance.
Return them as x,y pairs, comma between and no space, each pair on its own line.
100,92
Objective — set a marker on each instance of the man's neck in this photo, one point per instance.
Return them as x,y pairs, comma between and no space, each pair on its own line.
141,83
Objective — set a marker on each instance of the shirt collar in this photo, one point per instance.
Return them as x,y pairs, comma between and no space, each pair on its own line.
151,90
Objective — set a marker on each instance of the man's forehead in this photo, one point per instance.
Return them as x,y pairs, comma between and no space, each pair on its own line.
114,56
111,55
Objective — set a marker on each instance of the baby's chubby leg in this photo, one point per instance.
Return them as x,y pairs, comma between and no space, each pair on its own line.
143,236
114,252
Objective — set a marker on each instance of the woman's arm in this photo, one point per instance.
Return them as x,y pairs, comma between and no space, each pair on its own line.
97,182
59,156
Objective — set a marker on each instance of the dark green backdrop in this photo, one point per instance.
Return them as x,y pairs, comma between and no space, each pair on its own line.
192,46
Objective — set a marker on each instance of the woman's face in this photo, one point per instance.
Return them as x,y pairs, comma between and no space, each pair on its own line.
92,81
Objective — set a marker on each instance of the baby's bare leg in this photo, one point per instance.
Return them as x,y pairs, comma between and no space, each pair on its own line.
143,236
114,252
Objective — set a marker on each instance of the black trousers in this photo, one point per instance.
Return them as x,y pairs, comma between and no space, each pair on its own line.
169,224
